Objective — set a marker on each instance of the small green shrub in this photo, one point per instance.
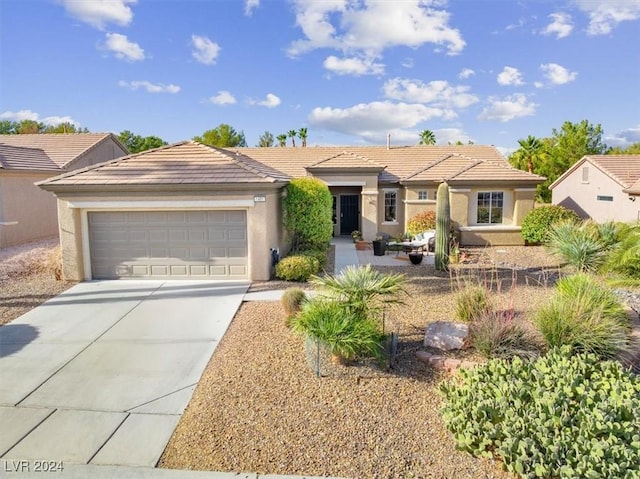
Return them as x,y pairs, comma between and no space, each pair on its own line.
535,225
292,301
586,317
472,302
319,254
496,334
342,331
421,222
561,416
297,268
624,258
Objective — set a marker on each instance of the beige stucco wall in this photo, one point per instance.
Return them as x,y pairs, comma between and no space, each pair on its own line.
33,209
104,151
264,230
582,197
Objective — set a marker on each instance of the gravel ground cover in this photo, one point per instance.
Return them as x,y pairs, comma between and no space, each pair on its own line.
260,408
27,278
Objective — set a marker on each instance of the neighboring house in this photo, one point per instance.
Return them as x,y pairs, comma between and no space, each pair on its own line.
601,187
27,212
192,211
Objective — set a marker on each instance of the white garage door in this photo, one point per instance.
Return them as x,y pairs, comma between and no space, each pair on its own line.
168,244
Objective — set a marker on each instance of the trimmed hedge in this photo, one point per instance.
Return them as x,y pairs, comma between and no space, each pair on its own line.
560,416
308,211
536,224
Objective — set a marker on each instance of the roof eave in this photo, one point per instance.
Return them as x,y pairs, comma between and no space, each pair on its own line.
158,187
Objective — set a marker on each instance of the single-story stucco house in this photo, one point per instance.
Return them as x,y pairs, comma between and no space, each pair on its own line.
601,187
189,210
27,212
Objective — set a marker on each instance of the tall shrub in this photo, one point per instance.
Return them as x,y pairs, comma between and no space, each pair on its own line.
421,222
308,213
535,225
443,228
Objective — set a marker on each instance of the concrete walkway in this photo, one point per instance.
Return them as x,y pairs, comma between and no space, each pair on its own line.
102,373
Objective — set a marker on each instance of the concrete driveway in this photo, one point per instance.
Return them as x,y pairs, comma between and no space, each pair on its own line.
102,373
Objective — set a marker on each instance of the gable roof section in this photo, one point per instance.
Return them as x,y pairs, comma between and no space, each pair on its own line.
346,161
61,148
21,158
184,163
623,169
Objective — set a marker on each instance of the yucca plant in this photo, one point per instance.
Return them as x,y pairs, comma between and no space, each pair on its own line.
585,316
343,332
362,289
579,244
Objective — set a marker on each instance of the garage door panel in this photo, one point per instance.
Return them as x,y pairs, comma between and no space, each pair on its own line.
169,244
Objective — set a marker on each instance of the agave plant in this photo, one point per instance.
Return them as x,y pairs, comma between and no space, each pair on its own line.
362,288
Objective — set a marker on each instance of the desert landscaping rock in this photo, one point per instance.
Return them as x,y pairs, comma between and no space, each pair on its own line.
446,335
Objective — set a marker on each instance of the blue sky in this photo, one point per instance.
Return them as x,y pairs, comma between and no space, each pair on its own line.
351,71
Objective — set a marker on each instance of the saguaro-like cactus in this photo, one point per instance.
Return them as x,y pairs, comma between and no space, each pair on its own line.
443,228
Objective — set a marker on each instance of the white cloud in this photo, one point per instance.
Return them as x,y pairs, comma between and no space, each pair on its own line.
604,16
353,66
560,26
373,121
439,93
557,74
122,48
355,27
250,5
205,51
451,135
99,13
510,76
623,139
150,87
22,115
271,101
508,108
466,73
408,63
223,98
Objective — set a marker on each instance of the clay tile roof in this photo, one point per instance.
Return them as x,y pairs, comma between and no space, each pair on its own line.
634,189
177,164
21,158
347,160
61,148
625,169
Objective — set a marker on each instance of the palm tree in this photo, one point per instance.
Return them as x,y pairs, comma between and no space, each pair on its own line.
282,140
292,134
302,134
427,137
531,150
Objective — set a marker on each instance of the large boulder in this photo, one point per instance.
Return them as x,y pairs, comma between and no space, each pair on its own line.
446,335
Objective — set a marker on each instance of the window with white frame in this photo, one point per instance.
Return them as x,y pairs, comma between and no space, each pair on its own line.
423,195
391,206
490,205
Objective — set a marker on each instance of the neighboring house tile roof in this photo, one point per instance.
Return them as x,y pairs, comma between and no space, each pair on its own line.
21,158
634,189
61,148
400,162
182,163
623,169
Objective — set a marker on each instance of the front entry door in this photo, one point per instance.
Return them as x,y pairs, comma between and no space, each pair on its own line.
349,213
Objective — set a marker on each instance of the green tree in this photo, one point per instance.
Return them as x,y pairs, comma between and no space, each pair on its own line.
531,148
427,137
302,134
29,127
266,140
292,134
136,143
308,209
65,127
223,136
8,127
282,140
633,149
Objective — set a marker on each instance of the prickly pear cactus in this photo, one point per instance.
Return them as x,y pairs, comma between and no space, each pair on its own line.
443,228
